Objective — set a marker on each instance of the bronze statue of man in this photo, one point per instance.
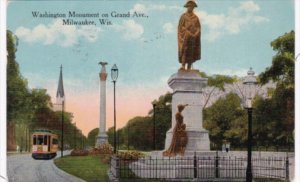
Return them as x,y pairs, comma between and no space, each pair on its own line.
189,34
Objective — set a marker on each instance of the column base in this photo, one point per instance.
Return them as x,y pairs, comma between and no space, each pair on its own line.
101,139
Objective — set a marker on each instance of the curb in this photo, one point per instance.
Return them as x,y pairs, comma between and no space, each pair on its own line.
111,177
65,175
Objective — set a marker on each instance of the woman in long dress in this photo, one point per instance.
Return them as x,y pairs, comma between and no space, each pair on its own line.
179,138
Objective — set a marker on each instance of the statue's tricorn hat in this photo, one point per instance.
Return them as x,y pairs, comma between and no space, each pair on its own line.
190,3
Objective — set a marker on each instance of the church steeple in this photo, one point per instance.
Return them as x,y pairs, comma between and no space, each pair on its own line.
60,89
60,93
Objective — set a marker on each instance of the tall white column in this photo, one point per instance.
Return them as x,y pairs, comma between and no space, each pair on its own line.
102,137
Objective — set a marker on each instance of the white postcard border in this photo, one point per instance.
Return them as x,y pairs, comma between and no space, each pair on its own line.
3,61
297,89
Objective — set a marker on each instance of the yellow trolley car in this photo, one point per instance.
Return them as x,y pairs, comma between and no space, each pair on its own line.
44,144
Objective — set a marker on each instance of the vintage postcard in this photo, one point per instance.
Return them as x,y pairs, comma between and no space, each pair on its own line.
150,90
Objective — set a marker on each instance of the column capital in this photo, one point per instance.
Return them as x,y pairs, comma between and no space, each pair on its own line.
103,76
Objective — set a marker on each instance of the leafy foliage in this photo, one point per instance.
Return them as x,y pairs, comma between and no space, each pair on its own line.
139,130
91,138
225,121
79,152
17,92
280,117
105,148
219,81
283,64
130,154
29,109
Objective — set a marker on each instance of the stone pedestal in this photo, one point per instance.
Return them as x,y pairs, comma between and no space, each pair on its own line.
187,89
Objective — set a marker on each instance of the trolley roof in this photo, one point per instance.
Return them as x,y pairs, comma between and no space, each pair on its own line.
43,131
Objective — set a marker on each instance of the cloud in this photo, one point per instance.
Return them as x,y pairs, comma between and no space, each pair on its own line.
168,27
249,6
131,30
139,8
158,7
57,33
232,72
232,22
142,8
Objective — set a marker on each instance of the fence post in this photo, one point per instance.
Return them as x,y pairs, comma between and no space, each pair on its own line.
195,166
217,165
287,166
118,167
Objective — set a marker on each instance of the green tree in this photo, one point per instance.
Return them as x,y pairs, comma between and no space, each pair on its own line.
17,89
91,138
29,109
282,99
163,119
141,133
110,135
18,99
225,121
282,69
216,86
139,130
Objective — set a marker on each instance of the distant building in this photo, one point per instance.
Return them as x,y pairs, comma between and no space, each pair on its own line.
60,93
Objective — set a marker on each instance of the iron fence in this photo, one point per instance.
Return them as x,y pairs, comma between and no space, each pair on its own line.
210,168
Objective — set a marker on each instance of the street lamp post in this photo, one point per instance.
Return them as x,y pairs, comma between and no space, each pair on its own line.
249,82
155,109
62,128
75,136
114,77
128,136
154,125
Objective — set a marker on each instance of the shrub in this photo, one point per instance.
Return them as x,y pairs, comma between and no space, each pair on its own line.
105,148
79,152
130,154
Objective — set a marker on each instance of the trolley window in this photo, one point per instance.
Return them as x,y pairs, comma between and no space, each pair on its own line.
34,139
54,141
40,139
45,140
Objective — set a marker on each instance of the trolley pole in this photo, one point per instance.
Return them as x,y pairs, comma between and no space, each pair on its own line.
62,128
75,136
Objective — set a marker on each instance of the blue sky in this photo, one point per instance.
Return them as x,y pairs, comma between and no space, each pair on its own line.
236,35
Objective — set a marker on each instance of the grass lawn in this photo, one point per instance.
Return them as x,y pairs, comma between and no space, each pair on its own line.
88,168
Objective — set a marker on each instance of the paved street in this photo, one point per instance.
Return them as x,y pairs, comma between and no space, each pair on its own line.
23,168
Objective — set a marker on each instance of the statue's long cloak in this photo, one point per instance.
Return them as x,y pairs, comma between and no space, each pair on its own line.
189,34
